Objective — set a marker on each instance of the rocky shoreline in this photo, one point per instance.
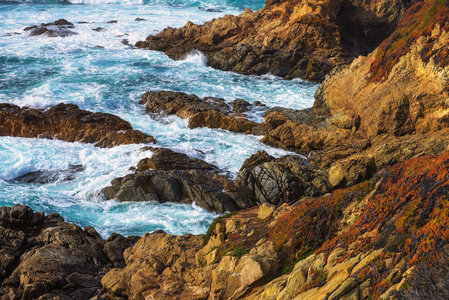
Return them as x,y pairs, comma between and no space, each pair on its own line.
365,216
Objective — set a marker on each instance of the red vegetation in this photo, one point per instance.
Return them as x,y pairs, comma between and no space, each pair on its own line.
311,222
419,20
407,215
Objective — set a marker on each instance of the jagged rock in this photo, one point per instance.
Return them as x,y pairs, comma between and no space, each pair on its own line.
166,159
69,123
174,177
240,105
286,38
213,119
159,265
204,188
44,256
401,87
348,172
283,180
59,28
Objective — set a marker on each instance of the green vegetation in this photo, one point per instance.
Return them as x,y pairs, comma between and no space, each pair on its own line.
211,228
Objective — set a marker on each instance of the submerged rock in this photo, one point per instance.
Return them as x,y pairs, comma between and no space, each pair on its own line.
59,28
68,122
49,176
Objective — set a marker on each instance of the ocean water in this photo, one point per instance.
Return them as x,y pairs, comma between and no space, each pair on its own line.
98,72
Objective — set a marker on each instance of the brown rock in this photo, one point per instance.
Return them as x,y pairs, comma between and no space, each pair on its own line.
69,123
207,112
288,39
351,171
166,159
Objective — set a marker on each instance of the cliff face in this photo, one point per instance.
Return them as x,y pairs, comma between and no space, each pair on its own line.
401,88
303,39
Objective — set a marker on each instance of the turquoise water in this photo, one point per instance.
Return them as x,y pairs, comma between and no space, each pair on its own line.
96,71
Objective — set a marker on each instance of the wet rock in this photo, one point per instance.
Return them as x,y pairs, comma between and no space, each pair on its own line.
203,112
210,9
287,39
44,177
43,255
166,159
240,105
139,19
69,123
174,177
99,29
59,28
112,22
204,188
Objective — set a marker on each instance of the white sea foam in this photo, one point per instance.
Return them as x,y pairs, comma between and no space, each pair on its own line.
96,71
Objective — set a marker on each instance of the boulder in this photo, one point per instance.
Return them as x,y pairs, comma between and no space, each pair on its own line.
43,256
206,112
282,180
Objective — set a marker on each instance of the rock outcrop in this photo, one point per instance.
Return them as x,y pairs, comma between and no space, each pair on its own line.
174,177
207,112
43,257
290,39
265,179
69,123
59,28
400,88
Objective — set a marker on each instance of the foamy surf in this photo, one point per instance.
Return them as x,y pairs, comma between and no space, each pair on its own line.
98,72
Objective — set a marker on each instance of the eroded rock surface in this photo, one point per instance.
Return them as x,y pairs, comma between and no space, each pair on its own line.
206,112
376,240
303,39
174,177
43,257
69,123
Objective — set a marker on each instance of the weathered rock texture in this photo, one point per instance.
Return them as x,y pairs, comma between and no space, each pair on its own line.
386,238
43,257
207,112
68,123
400,88
174,177
59,28
303,39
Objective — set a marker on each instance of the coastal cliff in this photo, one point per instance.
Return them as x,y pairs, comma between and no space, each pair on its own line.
304,39
365,216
